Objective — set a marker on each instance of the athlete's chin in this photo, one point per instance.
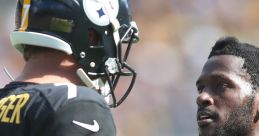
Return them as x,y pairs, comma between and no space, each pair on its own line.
208,130
206,133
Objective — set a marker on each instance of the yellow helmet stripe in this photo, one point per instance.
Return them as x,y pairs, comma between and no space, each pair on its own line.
25,15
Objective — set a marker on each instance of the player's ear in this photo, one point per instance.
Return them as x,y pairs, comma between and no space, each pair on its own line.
256,107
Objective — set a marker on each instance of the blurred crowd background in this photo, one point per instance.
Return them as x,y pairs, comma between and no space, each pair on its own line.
176,37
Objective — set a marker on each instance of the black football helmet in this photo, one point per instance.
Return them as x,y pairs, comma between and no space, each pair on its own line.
93,31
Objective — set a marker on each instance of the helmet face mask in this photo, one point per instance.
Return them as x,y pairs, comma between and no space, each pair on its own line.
93,31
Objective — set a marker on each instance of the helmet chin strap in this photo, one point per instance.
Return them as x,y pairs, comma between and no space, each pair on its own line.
116,26
97,84
115,23
104,90
86,79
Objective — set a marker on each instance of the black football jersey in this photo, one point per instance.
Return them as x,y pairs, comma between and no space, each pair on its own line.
28,109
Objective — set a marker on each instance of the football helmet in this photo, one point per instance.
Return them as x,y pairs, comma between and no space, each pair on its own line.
93,31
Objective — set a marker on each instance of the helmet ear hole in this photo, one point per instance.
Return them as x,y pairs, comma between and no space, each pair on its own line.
94,38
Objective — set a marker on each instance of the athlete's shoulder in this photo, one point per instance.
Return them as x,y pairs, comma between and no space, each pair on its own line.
73,93
57,95
64,109
83,112
54,95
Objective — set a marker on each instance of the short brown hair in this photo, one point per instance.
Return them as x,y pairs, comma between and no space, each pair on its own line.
29,50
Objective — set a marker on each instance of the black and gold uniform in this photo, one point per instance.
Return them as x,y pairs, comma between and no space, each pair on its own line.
28,109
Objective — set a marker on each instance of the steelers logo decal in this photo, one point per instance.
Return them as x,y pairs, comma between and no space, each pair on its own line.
100,12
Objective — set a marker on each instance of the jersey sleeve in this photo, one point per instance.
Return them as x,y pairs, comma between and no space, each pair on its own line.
81,118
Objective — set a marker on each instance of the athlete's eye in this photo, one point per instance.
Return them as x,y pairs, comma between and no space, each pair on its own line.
222,86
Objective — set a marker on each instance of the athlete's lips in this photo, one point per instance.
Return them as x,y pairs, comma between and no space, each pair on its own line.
205,117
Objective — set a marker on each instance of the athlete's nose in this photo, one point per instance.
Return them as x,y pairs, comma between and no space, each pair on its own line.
204,99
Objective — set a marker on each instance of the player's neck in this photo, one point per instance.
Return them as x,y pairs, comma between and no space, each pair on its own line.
53,67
